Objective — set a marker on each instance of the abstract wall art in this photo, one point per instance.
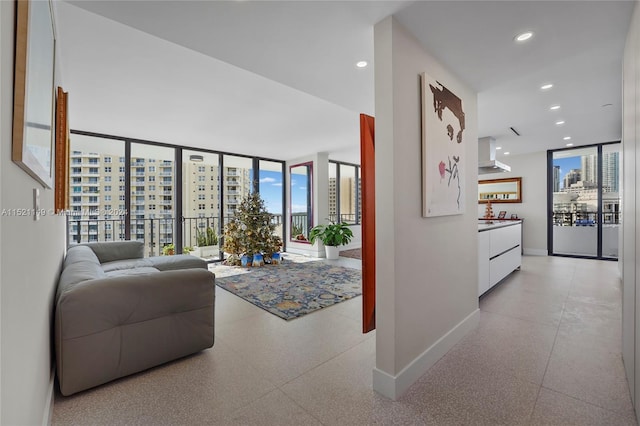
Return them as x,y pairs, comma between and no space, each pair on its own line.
443,150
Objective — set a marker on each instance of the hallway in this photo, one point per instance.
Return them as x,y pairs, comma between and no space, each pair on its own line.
547,352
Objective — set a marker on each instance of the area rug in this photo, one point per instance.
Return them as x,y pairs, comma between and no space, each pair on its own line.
293,288
353,253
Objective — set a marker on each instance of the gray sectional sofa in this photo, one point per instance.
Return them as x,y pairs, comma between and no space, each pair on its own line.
118,313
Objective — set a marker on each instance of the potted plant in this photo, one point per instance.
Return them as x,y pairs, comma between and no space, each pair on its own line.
207,243
187,250
332,236
169,249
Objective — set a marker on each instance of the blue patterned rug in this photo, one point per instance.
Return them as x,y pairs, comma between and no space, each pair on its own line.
292,288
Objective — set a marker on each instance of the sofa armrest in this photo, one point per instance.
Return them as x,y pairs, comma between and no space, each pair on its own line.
110,251
101,304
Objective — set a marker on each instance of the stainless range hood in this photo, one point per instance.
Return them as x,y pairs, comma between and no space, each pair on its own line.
487,162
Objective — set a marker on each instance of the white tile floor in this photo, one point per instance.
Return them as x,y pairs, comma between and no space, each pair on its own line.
547,351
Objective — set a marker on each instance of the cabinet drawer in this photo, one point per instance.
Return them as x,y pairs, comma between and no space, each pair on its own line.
503,239
504,264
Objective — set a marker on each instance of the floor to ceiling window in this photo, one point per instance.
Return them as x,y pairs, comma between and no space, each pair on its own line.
271,189
161,194
96,189
201,203
584,201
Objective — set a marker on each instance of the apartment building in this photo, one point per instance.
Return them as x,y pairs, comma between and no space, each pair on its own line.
97,198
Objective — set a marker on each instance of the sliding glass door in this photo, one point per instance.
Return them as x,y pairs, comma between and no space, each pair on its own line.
584,201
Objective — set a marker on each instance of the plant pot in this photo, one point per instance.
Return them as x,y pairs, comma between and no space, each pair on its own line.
208,251
275,259
332,252
258,260
246,260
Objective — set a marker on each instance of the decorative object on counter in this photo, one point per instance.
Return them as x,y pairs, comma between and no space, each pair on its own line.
488,211
514,216
502,214
443,165
507,190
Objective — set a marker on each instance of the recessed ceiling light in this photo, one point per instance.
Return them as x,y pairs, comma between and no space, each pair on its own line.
567,138
524,36
559,122
507,153
569,144
555,107
546,86
361,64
498,147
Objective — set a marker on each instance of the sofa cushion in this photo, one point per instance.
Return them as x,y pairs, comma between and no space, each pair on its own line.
179,261
134,271
80,253
118,265
117,250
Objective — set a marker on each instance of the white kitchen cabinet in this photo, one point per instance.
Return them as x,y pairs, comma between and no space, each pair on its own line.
499,251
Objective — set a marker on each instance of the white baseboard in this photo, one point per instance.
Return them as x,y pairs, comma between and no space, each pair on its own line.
535,252
393,387
48,406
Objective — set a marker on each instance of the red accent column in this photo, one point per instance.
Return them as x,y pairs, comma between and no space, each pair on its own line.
368,187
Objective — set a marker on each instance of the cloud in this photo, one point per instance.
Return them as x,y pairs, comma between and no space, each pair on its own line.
277,184
303,187
267,180
298,208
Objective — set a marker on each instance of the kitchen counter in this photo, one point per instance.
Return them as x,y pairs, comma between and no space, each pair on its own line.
499,251
494,224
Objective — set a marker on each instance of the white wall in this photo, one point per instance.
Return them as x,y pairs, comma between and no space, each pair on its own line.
630,213
425,300
533,209
30,257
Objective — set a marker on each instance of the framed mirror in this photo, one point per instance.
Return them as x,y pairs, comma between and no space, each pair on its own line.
300,202
508,190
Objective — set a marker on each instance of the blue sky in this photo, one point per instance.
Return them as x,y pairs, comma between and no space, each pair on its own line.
271,190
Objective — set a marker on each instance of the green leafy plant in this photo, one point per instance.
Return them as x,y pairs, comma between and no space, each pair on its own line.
187,250
206,238
169,249
333,234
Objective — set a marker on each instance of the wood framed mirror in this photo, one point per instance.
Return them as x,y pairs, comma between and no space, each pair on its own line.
507,190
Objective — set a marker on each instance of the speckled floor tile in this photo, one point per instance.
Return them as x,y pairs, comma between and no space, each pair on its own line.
273,409
554,408
556,322
596,376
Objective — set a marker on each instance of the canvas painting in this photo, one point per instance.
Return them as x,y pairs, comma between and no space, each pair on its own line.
443,150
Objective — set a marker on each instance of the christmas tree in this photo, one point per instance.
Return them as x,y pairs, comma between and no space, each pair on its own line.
250,230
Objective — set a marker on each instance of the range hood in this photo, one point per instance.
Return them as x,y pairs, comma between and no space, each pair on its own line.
487,162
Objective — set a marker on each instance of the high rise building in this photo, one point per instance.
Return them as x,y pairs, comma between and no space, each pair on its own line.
97,198
589,168
574,176
556,178
610,171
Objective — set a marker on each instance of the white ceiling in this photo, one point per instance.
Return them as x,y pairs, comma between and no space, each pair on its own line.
278,79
